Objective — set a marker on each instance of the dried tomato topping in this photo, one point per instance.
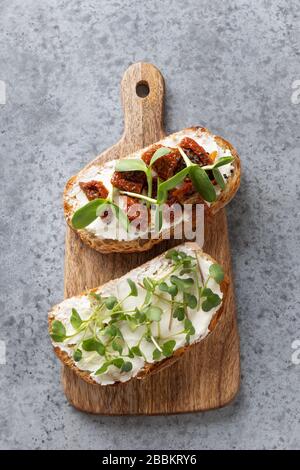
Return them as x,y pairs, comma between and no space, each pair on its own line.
146,156
195,152
121,182
94,189
167,165
135,210
135,176
132,212
182,193
107,215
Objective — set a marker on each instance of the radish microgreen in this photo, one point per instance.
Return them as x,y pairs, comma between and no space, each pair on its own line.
58,331
133,288
77,355
180,287
75,319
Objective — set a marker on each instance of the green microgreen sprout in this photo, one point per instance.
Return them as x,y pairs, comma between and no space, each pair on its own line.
85,215
180,286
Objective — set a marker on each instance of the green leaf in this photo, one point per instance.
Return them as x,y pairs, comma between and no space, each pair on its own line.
206,292
182,255
133,288
95,297
223,161
158,218
154,313
163,286
212,301
179,313
136,164
219,162
93,344
181,283
168,348
148,298
136,351
130,353
172,290
190,300
77,355
202,183
189,327
162,193
186,159
126,367
112,330
117,345
110,302
103,368
118,362
132,323
156,354
149,283
216,272
87,214
158,154
139,316
75,319
219,178
173,255
58,331
120,215
131,164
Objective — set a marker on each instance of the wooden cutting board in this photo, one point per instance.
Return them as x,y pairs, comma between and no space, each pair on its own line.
207,376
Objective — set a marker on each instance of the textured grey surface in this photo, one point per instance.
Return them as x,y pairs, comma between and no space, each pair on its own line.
227,65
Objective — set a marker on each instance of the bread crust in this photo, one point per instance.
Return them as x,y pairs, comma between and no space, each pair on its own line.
149,368
105,245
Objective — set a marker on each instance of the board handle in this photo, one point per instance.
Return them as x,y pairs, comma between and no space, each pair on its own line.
143,92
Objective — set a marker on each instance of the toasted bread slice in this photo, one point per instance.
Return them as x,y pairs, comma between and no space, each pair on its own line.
103,236
142,322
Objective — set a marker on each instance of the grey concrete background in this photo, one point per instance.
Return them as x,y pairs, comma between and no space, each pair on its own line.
228,65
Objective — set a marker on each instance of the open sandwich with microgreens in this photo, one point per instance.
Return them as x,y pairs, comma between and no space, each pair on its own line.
144,321
118,205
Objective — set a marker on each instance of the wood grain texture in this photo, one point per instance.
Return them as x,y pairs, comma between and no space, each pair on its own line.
208,375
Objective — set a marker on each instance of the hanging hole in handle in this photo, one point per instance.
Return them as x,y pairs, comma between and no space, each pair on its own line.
142,89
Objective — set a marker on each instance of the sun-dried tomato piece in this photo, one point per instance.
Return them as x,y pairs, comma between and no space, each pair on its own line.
132,208
94,189
146,156
182,193
167,165
106,215
195,152
119,181
135,209
188,143
135,176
